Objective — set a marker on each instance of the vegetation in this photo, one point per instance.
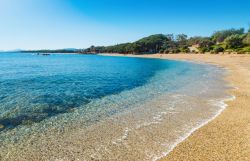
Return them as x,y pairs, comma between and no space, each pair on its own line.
220,36
151,44
234,41
231,40
218,49
246,40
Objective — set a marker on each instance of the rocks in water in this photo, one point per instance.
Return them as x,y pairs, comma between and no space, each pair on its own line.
1,126
27,122
71,110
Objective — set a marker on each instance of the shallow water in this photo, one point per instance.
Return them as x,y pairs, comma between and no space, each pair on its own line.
107,108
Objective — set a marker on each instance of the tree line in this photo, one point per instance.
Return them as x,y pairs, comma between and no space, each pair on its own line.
230,40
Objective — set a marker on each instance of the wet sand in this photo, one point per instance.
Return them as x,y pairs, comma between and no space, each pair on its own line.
227,137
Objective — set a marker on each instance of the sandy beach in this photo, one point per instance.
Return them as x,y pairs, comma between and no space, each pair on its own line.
154,125
227,137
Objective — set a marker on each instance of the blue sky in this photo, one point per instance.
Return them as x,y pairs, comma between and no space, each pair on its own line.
53,24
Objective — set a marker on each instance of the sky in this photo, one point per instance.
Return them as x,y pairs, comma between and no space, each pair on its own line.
56,24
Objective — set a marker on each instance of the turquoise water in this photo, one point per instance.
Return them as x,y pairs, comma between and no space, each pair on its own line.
38,87
44,96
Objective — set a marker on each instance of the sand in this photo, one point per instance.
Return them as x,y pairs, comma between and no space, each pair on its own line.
227,137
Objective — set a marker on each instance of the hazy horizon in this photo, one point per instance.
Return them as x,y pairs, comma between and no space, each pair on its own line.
58,24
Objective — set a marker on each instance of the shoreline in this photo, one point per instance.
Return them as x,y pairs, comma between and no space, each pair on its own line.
203,123
223,105
148,124
201,142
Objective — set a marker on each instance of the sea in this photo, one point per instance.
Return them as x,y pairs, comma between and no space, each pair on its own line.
95,107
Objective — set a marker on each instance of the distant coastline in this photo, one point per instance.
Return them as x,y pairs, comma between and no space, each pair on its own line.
230,41
54,51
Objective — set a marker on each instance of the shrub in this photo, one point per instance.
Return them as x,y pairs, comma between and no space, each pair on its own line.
184,49
246,40
166,51
220,36
245,50
161,51
218,49
176,51
234,41
203,50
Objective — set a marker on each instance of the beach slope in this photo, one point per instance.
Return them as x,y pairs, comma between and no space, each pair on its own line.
228,136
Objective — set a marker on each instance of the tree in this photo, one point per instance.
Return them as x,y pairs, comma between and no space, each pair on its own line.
204,44
169,45
234,41
170,37
92,48
195,40
201,41
220,36
246,40
181,38
152,44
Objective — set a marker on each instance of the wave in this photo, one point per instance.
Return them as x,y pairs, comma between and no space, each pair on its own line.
221,103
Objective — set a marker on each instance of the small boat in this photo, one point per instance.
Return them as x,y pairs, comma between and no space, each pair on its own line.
45,54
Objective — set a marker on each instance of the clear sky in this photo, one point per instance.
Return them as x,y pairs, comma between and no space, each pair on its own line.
53,24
